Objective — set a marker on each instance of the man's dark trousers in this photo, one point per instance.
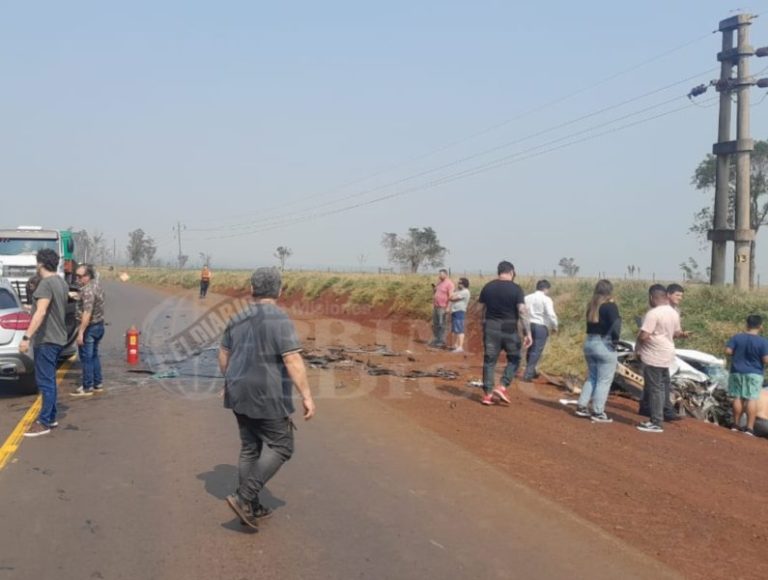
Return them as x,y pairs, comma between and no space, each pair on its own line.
265,444
657,385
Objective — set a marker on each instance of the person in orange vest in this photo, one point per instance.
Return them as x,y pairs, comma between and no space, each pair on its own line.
205,280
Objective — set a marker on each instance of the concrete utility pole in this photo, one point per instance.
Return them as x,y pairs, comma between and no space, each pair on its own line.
178,228
743,234
719,235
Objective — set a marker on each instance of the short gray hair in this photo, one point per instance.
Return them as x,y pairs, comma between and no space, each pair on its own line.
266,283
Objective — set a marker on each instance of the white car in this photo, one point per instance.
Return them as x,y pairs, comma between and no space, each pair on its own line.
15,367
699,382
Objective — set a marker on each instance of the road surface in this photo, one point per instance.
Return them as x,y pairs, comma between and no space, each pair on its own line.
132,486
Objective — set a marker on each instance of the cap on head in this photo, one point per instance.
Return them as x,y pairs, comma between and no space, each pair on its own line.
266,283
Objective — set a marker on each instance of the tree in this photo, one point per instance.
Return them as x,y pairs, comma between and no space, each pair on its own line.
704,179
182,259
691,270
283,253
135,247
150,249
140,247
420,247
569,267
205,259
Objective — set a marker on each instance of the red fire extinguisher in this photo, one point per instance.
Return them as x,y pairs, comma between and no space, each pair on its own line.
132,346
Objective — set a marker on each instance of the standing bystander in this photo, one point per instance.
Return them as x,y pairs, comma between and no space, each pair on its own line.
603,332
541,311
656,349
749,355
260,358
675,294
205,280
440,302
459,305
48,331
90,317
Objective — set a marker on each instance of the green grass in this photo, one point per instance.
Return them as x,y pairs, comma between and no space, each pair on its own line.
713,314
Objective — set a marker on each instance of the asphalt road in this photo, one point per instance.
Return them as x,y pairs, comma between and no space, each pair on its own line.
132,486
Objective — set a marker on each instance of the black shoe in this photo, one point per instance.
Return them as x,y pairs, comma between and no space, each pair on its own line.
582,411
244,511
672,418
261,512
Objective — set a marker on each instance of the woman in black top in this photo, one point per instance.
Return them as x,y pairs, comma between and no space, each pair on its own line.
603,331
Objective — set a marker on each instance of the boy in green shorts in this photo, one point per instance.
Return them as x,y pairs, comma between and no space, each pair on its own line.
749,355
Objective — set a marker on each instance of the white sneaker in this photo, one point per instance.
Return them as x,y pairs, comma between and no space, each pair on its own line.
81,392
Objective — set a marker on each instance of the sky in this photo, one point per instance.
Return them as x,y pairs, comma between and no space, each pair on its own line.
321,125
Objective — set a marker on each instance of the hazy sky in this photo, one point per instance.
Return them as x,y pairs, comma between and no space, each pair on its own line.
253,119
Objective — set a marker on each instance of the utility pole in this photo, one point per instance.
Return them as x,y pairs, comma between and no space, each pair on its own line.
743,235
178,229
720,235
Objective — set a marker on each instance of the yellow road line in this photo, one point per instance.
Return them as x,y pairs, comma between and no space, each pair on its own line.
13,442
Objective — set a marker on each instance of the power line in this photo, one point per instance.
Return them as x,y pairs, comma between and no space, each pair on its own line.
504,161
484,131
465,159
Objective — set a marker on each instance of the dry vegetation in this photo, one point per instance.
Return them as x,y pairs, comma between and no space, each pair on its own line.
712,313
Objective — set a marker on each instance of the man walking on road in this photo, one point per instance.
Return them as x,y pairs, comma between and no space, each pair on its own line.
48,331
90,316
656,348
205,280
503,308
260,358
541,312
440,303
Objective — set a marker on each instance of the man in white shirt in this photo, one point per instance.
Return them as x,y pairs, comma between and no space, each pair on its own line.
541,311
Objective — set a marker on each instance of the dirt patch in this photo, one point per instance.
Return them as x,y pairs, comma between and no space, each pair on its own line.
693,497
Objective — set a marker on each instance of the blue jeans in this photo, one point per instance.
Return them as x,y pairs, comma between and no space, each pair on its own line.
601,363
498,336
89,355
46,358
539,334
438,326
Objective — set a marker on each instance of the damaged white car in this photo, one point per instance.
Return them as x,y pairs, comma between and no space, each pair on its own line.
699,382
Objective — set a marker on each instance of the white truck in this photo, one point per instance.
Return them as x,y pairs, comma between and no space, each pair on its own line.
18,263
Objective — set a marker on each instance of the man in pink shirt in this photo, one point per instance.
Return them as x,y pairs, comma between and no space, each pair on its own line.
656,349
440,304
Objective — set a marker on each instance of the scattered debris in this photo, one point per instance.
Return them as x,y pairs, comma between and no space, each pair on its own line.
338,357
166,374
569,382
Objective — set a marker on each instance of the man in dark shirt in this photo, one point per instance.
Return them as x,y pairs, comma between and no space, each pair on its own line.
504,308
260,358
48,331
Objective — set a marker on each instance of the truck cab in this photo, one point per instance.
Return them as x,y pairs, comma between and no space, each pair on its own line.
18,263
